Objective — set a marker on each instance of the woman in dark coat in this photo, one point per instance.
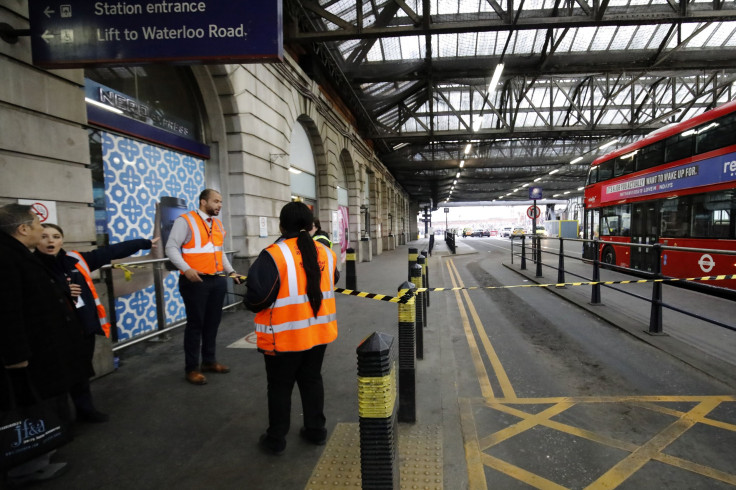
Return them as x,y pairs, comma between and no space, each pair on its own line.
65,268
40,336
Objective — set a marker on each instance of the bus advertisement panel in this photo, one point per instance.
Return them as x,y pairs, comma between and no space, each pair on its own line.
676,187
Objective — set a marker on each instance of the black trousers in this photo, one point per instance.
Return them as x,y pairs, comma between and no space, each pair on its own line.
282,371
203,302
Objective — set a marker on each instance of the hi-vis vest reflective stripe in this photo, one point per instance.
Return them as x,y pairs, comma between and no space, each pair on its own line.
289,325
82,266
323,239
204,251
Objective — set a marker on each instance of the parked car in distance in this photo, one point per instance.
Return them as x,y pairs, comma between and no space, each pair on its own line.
481,233
541,231
506,231
493,233
518,232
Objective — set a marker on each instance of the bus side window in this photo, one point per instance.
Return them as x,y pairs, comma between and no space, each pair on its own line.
649,156
624,166
592,175
605,170
678,147
717,136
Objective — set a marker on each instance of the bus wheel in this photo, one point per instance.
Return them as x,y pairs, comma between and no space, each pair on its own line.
608,256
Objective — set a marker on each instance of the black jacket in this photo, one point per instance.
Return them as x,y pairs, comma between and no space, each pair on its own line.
63,265
38,325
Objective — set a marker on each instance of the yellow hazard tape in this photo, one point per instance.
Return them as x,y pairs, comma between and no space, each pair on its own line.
590,283
404,295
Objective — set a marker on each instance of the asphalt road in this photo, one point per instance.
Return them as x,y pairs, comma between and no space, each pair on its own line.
558,397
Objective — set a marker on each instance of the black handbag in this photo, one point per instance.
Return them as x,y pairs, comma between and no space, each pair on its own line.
29,430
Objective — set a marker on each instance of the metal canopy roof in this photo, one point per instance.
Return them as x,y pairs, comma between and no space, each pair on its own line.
577,75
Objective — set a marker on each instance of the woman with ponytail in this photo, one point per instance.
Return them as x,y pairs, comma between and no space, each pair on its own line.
291,289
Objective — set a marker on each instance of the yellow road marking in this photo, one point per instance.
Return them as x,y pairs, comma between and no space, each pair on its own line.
480,370
498,369
476,473
529,421
520,474
696,468
636,460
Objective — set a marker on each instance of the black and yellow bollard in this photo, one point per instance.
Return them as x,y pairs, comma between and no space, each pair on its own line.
425,270
351,279
379,434
422,261
407,356
416,279
413,252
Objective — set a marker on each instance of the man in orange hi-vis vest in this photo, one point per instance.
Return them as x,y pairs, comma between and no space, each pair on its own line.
195,247
291,288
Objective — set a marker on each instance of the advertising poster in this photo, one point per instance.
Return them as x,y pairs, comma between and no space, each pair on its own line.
343,225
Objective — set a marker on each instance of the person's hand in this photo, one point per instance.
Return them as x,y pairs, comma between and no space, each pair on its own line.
192,275
154,242
236,277
17,365
76,290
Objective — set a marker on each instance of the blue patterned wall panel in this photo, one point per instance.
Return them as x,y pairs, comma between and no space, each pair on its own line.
137,175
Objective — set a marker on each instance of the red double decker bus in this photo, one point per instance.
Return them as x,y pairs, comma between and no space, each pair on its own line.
677,187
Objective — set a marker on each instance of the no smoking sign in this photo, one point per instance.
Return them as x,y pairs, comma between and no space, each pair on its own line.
45,210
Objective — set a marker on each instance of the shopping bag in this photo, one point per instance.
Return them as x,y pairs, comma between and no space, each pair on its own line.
29,431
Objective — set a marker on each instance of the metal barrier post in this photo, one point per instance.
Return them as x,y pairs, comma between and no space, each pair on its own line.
422,261
412,260
416,279
158,282
561,264
351,279
538,239
523,253
407,356
425,270
595,295
655,316
379,434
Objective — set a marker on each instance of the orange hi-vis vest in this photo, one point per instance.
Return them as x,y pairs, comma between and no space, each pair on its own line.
203,252
83,267
289,325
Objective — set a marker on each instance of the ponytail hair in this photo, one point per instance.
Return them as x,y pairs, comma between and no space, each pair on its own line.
296,220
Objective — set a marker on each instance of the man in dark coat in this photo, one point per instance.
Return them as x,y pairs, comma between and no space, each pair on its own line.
40,338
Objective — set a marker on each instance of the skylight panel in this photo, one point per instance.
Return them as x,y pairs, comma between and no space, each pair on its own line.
687,30
602,38
486,43
466,44
375,54
721,33
445,45
583,39
622,38
345,9
444,7
566,43
534,5
732,40
658,36
391,48
702,37
410,49
347,47
524,42
468,6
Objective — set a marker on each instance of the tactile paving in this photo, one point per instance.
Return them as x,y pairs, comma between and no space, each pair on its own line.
420,456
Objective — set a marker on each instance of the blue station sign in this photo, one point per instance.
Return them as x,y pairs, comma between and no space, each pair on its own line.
79,33
535,192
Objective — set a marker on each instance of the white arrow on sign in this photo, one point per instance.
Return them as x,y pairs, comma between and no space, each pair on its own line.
48,12
46,36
